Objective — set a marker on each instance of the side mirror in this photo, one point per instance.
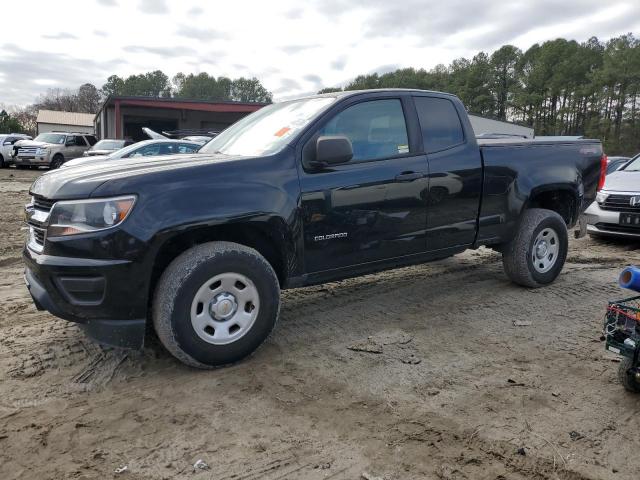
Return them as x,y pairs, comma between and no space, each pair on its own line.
332,150
7,143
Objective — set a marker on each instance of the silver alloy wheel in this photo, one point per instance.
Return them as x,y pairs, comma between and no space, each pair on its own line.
545,250
225,308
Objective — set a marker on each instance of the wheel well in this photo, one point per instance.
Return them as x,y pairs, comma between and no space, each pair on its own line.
58,155
561,201
255,237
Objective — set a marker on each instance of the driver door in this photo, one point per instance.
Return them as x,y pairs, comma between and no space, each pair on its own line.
373,207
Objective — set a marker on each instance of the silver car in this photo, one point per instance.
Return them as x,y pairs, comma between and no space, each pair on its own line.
616,211
146,148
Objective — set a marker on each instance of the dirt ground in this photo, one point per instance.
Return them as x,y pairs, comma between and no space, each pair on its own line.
443,371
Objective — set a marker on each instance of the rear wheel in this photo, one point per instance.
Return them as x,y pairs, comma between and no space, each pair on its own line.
538,251
215,304
2,164
57,161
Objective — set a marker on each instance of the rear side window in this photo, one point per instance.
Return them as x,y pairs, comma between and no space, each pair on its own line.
440,123
92,140
376,129
80,141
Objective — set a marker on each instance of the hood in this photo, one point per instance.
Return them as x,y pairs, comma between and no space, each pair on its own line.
89,160
33,143
623,181
81,180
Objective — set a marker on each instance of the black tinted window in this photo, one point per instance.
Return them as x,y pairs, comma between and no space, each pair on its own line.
441,127
91,139
376,129
80,141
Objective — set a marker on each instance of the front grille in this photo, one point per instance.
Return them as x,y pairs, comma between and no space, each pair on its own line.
43,203
38,235
27,151
620,203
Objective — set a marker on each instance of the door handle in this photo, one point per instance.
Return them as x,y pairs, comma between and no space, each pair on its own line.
408,176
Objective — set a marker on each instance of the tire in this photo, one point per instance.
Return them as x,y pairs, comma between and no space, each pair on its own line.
2,164
56,161
629,382
22,167
545,232
193,290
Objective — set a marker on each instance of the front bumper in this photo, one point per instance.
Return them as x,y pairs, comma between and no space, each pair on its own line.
94,293
39,160
607,223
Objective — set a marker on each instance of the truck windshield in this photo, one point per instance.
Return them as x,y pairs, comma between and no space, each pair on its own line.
268,130
634,165
51,138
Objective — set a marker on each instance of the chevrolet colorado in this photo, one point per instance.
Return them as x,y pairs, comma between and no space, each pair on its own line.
298,193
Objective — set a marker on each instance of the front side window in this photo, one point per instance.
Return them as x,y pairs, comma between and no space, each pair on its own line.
147,151
376,128
187,148
440,123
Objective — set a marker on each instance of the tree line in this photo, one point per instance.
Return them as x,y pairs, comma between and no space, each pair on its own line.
88,98
559,87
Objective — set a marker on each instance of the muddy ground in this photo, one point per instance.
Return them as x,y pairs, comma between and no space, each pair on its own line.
447,387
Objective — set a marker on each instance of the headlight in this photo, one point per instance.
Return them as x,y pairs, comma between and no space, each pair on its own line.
41,151
83,216
601,197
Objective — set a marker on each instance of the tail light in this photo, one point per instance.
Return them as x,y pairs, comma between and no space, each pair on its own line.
603,171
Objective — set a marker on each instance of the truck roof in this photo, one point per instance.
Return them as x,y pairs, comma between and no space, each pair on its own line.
348,93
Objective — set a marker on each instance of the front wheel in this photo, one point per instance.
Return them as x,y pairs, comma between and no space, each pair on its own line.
536,255
215,304
57,161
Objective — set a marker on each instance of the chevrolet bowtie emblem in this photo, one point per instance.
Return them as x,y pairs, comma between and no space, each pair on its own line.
634,201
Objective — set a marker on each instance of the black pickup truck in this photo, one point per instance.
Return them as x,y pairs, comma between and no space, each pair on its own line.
298,193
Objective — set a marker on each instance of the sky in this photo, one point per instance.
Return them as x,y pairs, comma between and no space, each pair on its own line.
293,47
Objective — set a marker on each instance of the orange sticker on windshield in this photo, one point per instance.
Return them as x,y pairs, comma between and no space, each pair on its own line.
282,131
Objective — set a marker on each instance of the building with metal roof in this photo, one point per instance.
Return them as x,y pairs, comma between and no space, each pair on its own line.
73,122
124,117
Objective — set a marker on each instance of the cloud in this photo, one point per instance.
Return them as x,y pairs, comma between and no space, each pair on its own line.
293,49
172,51
108,3
196,33
195,11
286,85
60,36
339,63
101,33
157,7
312,78
433,25
25,72
294,13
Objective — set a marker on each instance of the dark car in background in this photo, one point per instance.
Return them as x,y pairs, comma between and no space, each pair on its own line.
146,148
107,146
